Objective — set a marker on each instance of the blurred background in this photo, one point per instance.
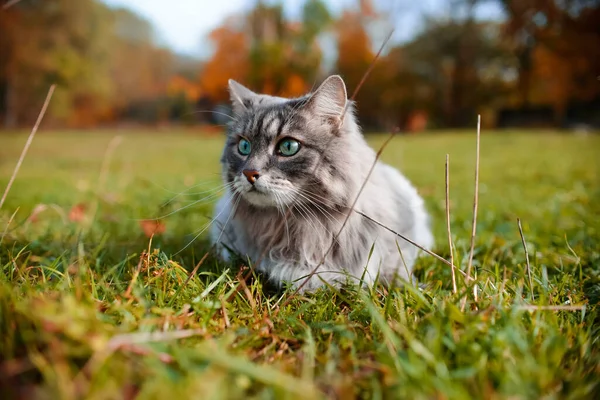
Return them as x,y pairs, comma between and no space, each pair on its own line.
128,63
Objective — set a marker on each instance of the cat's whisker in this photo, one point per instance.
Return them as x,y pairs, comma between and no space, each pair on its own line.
324,200
305,217
204,199
309,213
318,206
233,210
280,208
185,192
212,112
322,208
205,227
220,187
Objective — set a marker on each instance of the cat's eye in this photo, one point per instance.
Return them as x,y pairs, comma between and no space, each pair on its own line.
288,147
244,147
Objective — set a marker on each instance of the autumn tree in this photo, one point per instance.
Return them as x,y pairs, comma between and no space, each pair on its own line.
285,56
230,59
266,51
54,41
556,44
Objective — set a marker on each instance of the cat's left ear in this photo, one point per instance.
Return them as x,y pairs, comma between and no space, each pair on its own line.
329,100
242,98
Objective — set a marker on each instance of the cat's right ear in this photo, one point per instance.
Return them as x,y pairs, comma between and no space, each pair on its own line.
242,98
329,101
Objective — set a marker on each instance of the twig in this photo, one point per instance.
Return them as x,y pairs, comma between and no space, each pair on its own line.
28,143
190,276
224,311
8,224
475,204
526,257
9,4
431,253
450,246
371,66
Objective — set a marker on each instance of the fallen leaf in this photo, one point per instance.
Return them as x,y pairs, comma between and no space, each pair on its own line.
77,213
152,227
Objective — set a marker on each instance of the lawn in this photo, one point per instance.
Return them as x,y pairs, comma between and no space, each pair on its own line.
92,307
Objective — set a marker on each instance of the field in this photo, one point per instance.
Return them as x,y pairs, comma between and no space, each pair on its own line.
92,307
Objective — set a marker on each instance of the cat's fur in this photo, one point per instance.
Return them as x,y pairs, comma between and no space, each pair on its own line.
328,171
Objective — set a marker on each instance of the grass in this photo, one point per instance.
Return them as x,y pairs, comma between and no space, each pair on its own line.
90,307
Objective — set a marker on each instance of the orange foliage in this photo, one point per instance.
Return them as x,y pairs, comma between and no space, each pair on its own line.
152,227
229,61
553,78
367,9
417,121
294,86
77,213
178,84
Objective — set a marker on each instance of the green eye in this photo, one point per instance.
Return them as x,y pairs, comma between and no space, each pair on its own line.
244,147
289,147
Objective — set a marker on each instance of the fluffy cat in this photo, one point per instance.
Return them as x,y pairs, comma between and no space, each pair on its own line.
308,154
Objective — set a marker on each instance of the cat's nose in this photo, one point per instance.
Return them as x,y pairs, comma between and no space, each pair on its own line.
251,174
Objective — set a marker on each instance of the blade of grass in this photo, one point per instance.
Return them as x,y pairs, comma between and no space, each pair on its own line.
28,143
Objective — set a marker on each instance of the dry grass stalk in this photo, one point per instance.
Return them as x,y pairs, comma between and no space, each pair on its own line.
28,143
194,271
431,253
526,257
450,246
10,220
475,205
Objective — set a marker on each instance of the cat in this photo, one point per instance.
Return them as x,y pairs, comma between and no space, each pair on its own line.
308,155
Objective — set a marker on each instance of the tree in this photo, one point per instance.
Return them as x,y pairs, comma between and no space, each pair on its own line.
230,60
561,36
55,41
354,57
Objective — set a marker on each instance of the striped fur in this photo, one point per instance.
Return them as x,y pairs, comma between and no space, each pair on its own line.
319,184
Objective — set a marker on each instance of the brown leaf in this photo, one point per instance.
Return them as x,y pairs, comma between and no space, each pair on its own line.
77,213
152,227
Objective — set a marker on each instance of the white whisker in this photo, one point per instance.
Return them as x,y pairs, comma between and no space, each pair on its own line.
210,197
204,228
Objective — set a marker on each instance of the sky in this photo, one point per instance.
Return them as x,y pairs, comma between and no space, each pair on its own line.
184,24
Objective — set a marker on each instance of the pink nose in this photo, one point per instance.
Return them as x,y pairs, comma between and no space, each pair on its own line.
251,174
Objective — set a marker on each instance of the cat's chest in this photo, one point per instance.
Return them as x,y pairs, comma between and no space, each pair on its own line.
287,237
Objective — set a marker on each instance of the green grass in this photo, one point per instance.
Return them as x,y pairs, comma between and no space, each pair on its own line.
74,309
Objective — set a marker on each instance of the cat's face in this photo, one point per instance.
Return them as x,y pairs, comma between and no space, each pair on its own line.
283,151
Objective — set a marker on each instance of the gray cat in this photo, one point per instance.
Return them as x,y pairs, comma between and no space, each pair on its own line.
308,155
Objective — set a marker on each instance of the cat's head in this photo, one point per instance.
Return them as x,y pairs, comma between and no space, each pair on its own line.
283,151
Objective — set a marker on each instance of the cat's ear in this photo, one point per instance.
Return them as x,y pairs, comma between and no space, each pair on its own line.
242,98
329,100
